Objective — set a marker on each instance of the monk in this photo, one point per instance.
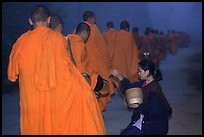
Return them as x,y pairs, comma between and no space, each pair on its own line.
126,53
57,24
174,40
155,47
79,54
54,96
147,43
81,58
138,40
109,37
163,43
98,53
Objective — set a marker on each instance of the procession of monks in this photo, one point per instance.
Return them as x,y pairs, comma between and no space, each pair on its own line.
62,78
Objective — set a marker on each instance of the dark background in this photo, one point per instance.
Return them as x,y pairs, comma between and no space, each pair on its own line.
177,16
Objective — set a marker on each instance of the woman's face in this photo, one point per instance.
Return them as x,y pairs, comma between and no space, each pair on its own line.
142,73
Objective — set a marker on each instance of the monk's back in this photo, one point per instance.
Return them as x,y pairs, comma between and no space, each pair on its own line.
109,36
52,90
126,55
34,42
124,40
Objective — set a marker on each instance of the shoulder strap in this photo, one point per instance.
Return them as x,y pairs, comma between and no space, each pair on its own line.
70,51
85,75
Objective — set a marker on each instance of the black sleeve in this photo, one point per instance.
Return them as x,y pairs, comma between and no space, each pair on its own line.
126,84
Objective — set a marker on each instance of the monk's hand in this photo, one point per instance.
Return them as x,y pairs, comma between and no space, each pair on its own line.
117,74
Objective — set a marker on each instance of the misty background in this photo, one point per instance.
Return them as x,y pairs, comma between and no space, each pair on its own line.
182,73
164,16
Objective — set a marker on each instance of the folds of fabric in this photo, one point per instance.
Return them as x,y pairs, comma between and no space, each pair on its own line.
109,37
98,53
125,57
81,58
54,96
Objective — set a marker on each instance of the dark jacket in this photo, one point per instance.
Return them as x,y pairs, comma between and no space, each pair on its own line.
155,108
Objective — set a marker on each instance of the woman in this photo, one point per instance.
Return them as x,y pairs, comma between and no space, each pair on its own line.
151,117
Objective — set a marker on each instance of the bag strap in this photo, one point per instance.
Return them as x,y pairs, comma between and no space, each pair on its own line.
70,51
73,61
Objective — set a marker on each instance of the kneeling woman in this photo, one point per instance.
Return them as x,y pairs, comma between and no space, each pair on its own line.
151,117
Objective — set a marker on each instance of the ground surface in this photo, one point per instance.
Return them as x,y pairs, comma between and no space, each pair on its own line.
182,85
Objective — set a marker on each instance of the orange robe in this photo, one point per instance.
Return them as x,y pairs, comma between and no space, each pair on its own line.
81,58
99,57
163,43
126,55
156,50
54,96
109,37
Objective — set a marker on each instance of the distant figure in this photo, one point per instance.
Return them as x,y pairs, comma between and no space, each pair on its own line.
155,46
57,24
174,42
138,40
109,37
54,96
151,117
98,53
147,43
125,57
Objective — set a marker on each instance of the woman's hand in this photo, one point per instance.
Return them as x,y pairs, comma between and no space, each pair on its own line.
117,74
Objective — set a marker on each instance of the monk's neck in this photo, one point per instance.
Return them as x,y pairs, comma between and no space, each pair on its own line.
44,24
110,29
124,30
89,23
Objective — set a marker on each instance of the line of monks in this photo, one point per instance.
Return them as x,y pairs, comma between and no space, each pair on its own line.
55,98
155,45
97,55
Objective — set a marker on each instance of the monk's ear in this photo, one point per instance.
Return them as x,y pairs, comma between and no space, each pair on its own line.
30,21
74,31
48,19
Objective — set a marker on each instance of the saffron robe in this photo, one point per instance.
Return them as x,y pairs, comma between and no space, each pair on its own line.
126,56
98,53
54,96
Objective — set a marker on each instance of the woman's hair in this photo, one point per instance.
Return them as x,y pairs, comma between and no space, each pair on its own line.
149,65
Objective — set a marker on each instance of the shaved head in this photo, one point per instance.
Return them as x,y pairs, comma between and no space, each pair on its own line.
124,25
56,23
39,13
110,24
83,30
88,15
82,27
